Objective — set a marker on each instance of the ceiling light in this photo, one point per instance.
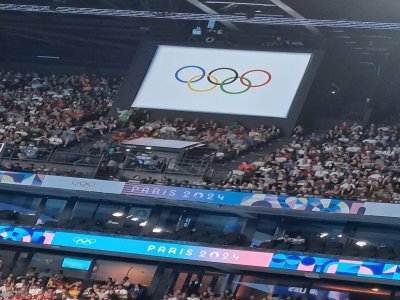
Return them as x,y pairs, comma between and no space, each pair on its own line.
135,219
339,235
323,234
361,243
118,214
143,224
157,230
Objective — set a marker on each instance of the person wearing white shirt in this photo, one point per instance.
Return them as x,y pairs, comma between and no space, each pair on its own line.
304,163
102,293
55,140
375,176
370,141
34,290
3,289
353,149
121,292
20,284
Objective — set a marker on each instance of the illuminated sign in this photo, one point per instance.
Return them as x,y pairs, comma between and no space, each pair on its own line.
268,201
157,249
73,263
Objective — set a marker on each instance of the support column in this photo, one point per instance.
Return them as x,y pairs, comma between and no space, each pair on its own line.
161,283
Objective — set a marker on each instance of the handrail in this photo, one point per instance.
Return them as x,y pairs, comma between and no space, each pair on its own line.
98,166
160,159
13,155
193,167
78,155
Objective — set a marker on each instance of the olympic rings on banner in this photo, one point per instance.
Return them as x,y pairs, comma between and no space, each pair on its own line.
83,241
83,183
197,67
248,86
189,83
258,85
216,82
230,69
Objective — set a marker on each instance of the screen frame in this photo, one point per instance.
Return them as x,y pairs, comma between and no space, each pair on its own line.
145,57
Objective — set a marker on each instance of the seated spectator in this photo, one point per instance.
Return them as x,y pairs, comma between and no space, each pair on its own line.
246,167
299,240
138,292
118,136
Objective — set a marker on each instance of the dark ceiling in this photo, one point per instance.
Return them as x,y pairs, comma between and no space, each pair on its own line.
124,33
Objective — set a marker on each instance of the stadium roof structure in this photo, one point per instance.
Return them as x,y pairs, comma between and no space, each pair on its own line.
107,33
360,25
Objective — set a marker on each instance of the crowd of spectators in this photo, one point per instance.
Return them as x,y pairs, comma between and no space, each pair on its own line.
47,286
227,141
345,162
41,112
194,290
349,162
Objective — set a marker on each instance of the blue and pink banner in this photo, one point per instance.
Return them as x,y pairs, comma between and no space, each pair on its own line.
245,199
312,204
191,253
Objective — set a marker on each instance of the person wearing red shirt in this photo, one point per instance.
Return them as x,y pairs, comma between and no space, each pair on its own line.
245,166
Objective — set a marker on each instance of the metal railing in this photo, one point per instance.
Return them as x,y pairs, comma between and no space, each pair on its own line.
26,154
71,158
187,167
148,164
55,156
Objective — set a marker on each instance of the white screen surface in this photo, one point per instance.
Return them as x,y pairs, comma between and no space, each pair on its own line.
256,83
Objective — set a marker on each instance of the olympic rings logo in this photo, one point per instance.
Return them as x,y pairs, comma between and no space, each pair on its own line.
83,241
214,81
83,183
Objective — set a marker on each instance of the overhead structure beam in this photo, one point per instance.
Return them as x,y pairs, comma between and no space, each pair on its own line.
210,11
39,33
201,17
235,3
290,11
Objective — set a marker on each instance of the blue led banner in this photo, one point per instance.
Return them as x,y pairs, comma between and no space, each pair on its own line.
311,204
244,199
158,249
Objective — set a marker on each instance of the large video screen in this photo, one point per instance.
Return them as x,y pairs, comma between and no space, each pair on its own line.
241,82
